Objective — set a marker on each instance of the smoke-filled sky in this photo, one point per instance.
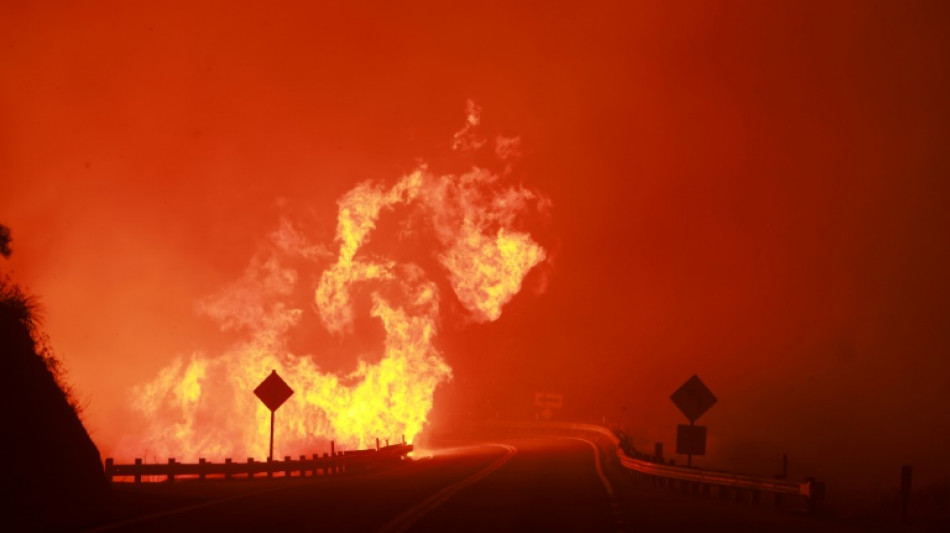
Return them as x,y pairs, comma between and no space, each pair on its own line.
751,192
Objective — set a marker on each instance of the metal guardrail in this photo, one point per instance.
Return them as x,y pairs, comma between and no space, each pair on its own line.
328,464
811,491
710,477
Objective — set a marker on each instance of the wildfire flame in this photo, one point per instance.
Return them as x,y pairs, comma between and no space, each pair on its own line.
203,406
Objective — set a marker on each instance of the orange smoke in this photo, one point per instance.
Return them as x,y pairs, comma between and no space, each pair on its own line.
203,405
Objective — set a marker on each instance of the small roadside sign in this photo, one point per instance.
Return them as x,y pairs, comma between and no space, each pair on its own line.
548,400
693,398
690,440
273,391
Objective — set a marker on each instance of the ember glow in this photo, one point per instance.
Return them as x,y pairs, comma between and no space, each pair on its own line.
203,406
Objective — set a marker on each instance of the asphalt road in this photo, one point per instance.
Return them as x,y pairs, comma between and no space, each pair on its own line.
528,484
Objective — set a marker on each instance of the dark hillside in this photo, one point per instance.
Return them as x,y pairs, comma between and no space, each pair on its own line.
52,468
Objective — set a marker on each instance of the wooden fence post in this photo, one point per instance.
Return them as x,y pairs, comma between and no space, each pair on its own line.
377,444
315,456
171,469
286,466
333,456
227,468
250,468
201,468
270,467
138,470
303,471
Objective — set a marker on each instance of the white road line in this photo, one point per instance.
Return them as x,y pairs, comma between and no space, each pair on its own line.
600,471
608,488
413,515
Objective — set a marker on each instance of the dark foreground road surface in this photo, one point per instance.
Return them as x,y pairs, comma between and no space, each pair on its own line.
531,484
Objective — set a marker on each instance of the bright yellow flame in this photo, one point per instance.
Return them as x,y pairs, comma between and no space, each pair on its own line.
202,407
486,273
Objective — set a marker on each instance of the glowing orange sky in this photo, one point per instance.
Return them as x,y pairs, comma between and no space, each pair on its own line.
753,193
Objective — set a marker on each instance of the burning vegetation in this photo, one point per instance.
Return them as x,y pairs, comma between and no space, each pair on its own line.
202,405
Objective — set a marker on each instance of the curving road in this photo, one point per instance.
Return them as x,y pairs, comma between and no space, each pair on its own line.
528,484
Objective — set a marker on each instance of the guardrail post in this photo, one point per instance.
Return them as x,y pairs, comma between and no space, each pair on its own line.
227,468
658,452
816,494
108,469
303,471
906,475
171,469
315,456
138,470
250,468
270,467
286,466
326,464
377,444
201,468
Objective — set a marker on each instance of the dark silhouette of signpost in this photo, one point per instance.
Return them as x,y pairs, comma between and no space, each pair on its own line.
693,398
273,391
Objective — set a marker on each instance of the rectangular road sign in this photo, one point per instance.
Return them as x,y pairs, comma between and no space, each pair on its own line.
690,440
548,400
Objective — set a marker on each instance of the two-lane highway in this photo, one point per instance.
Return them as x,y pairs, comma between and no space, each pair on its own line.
528,484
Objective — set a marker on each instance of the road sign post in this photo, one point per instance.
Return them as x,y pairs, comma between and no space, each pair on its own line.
273,392
693,399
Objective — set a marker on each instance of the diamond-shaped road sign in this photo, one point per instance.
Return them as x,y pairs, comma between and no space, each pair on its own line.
693,398
273,391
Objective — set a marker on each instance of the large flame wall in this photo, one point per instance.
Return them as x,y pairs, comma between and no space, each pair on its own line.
203,406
